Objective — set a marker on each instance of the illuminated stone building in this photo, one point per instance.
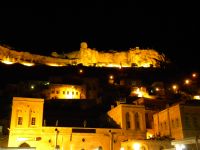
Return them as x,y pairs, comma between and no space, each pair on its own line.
87,57
29,129
134,57
64,91
180,122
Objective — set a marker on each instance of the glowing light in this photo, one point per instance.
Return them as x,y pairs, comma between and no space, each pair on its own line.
29,64
111,77
157,89
54,65
21,139
175,87
146,65
121,148
136,146
80,71
187,81
180,146
47,83
194,75
138,92
32,87
7,62
196,97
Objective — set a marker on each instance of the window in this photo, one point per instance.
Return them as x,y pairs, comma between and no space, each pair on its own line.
137,121
57,92
172,123
165,124
63,92
67,92
19,121
195,122
177,122
187,122
52,91
72,93
33,119
76,93
128,124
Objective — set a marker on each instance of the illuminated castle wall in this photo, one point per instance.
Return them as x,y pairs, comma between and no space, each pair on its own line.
137,57
87,57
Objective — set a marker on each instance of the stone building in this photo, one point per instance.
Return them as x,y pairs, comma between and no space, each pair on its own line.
65,91
180,121
29,129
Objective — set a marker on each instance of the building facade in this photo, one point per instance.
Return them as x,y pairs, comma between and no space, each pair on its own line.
27,128
64,91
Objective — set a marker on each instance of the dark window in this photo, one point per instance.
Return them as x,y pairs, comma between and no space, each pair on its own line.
33,119
76,93
187,122
177,122
19,122
128,124
195,122
63,92
137,121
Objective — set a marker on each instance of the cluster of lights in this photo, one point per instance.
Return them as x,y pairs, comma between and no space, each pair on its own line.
180,147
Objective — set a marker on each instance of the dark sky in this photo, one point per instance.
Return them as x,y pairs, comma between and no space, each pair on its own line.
173,30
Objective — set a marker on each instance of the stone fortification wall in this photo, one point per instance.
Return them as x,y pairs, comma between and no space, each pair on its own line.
90,57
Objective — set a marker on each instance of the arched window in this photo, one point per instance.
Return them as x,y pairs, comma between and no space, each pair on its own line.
128,124
24,145
137,121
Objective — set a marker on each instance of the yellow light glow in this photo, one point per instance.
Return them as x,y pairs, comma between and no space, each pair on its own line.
54,65
174,87
146,65
194,75
121,148
21,139
157,89
187,81
136,146
7,62
111,77
180,146
29,64
80,71
196,97
32,86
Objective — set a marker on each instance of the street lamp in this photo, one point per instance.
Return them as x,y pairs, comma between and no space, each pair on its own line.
187,81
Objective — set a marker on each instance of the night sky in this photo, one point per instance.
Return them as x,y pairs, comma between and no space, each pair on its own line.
173,30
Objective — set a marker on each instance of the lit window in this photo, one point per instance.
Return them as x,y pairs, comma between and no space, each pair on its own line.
33,119
19,122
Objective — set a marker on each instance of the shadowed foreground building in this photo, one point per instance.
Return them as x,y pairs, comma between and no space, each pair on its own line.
29,129
181,122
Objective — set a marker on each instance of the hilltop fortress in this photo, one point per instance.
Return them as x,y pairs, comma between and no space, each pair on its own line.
88,57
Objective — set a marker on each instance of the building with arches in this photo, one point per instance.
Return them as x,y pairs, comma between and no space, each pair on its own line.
29,129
